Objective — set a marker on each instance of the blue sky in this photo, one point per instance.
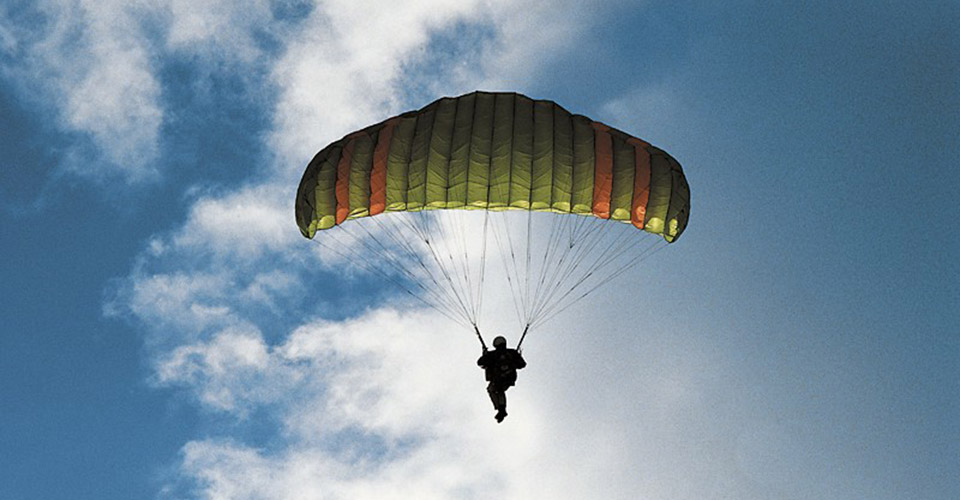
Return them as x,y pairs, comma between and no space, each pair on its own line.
169,334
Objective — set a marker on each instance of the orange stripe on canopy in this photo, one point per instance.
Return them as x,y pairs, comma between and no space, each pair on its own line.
603,170
641,182
343,180
378,174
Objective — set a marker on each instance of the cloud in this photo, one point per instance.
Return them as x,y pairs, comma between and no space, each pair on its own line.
343,68
226,470
234,371
91,65
354,63
529,36
184,301
370,418
224,31
391,405
97,68
243,224
247,318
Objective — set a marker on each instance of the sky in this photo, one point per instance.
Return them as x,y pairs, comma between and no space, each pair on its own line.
167,332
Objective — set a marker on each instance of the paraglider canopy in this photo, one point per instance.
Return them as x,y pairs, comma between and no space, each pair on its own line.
493,152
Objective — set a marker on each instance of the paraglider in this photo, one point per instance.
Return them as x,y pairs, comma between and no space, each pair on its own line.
500,369
493,154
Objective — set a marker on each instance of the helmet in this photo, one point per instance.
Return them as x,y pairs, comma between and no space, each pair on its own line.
499,342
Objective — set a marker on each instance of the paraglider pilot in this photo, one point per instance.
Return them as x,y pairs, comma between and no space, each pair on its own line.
500,367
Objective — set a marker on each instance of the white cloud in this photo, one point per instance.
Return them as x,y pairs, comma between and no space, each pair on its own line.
243,224
222,30
183,301
90,62
347,65
401,386
341,69
95,66
387,404
530,35
234,371
271,287
391,405
230,471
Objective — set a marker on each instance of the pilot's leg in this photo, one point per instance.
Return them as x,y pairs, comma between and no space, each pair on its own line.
498,397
